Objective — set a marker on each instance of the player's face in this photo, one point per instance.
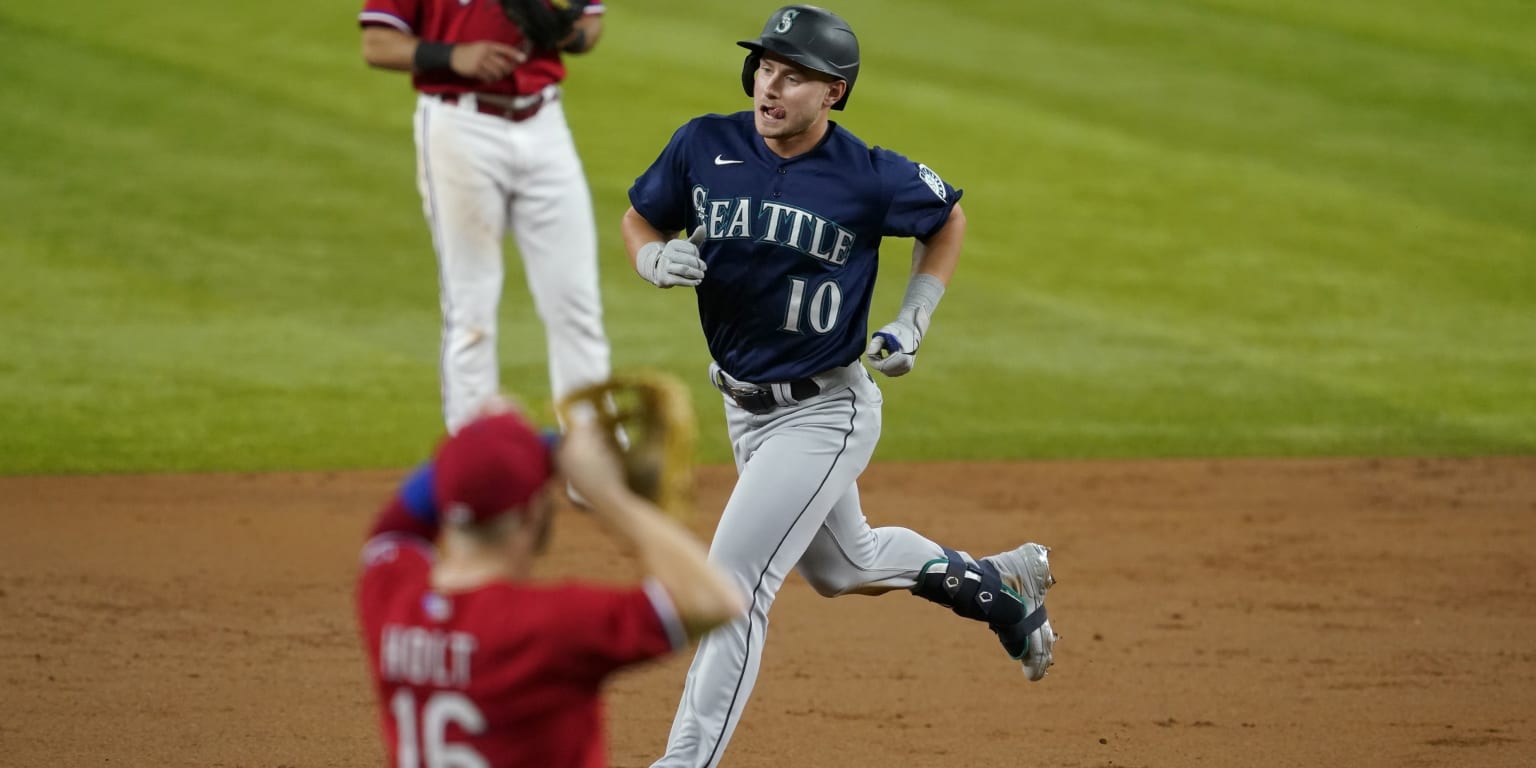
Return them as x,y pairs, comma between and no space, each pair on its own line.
790,100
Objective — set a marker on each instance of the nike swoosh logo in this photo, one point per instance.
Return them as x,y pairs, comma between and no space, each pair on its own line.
720,160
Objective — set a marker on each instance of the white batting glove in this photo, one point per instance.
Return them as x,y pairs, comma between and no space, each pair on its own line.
675,263
893,349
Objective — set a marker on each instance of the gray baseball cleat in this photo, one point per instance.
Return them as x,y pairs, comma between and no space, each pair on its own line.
1026,571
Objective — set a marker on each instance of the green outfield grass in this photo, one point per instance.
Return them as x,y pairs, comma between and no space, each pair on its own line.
1198,228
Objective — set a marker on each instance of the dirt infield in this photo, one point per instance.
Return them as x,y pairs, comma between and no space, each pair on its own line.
1317,613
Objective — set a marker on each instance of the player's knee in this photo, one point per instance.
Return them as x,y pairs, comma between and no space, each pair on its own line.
467,334
968,589
830,582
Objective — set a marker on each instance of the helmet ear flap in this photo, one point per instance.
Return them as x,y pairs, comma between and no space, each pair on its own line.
842,101
749,70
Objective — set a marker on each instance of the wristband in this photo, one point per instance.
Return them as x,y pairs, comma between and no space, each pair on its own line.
924,290
432,57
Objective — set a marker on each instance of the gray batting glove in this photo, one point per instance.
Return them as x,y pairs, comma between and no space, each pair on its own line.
893,349
675,263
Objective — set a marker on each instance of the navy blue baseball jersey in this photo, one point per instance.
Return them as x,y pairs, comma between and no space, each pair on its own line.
793,243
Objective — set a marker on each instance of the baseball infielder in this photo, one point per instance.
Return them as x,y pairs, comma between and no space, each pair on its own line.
787,211
474,665
493,153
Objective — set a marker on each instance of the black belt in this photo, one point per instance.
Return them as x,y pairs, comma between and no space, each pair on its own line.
760,400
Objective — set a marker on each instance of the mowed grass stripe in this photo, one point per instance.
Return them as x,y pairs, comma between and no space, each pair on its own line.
182,288
1379,115
1202,228
1375,270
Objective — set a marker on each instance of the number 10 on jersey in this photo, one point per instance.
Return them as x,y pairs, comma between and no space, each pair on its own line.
826,300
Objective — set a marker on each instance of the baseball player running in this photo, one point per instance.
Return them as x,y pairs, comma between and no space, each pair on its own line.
493,153
786,212
473,665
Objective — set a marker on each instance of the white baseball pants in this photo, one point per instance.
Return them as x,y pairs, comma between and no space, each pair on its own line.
480,176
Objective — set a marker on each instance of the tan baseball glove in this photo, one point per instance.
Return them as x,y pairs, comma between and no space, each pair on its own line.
647,418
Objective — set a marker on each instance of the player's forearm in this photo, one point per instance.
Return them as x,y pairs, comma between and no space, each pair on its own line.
893,348
637,232
941,253
705,595
388,48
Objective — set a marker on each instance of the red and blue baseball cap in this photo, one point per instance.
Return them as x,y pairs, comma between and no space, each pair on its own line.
492,465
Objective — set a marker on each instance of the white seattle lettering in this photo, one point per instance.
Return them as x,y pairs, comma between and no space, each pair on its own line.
808,233
801,217
741,224
815,249
717,209
700,197
774,210
843,247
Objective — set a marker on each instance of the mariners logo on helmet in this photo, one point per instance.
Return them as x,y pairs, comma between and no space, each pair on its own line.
786,21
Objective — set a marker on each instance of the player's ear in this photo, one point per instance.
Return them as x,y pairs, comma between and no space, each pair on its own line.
835,93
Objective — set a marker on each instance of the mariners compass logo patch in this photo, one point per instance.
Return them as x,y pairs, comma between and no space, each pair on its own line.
933,181
786,21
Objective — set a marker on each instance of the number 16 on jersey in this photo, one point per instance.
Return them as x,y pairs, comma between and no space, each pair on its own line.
441,709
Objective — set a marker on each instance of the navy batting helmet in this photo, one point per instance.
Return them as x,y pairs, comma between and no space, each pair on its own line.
811,37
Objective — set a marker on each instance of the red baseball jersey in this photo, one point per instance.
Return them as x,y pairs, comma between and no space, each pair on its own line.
467,21
500,676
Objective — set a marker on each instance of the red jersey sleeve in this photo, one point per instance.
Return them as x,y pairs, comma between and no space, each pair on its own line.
602,629
393,563
404,15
